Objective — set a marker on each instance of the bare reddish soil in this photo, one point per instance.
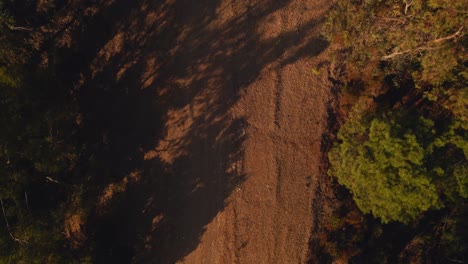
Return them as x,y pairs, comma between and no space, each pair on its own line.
223,110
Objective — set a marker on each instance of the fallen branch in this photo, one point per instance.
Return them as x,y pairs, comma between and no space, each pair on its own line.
456,260
6,154
53,180
4,215
15,28
8,226
26,199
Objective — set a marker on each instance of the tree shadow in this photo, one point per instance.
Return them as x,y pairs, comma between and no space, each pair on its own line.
145,68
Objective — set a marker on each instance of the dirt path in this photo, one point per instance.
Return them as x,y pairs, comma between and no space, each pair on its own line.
282,105
241,92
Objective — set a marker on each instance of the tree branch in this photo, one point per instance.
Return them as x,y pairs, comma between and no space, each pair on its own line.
395,54
457,34
407,5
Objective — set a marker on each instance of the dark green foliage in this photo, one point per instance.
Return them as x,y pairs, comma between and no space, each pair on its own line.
36,156
398,166
402,151
384,170
38,152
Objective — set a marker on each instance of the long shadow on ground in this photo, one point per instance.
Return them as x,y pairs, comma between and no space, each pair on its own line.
139,63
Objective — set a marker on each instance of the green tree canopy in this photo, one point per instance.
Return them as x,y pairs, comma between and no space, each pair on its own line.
384,170
411,55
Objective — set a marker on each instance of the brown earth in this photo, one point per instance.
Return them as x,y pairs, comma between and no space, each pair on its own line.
218,110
